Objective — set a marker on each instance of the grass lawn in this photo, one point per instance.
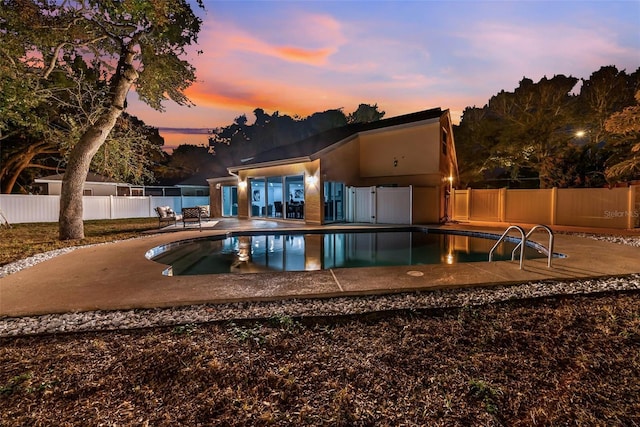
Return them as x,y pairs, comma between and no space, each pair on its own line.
25,240
552,361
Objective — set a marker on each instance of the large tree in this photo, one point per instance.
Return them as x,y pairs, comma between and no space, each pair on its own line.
536,121
240,139
544,131
131,42
626,123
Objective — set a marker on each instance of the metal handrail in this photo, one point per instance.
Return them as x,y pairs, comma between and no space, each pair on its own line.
550,250
522,242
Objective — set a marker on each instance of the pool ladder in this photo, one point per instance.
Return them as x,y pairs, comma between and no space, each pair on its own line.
523,242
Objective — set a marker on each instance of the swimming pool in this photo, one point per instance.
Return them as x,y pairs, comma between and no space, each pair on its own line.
254,252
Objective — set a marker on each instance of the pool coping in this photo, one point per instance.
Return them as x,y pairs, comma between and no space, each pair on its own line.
107,277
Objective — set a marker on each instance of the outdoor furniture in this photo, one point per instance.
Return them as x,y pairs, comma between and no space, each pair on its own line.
204,211
295,210
166,215
192,215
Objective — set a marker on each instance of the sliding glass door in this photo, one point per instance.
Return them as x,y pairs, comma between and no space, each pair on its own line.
257,197
333,201
277,197
294,188
230,200
274,197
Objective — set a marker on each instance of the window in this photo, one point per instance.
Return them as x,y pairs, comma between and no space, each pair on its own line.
87,192
444,142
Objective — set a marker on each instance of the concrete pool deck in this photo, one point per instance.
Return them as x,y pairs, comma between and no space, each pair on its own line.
118,276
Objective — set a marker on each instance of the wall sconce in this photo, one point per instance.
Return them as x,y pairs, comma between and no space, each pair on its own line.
242,184
218,186
312,180
395,162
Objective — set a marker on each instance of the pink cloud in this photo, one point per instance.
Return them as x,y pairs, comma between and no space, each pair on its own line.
316,37
546,49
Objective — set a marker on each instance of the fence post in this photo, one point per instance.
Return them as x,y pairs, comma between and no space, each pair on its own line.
469,190
502,204
111,207
554,205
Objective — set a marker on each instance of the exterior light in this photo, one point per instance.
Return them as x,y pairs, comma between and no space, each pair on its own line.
218,186
580,133
312,179
242,184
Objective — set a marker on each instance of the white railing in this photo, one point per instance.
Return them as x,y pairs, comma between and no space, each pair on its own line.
22,208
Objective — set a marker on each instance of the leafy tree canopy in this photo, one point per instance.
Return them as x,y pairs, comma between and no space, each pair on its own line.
532,132
126,43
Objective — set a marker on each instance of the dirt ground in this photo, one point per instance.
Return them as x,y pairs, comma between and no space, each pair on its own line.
554,361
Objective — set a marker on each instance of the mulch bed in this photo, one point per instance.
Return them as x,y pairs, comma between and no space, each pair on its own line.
554,361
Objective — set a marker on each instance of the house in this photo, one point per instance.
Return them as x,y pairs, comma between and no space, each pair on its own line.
94,185
402,167
98,185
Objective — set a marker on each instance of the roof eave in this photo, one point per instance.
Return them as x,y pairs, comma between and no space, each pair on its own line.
235,169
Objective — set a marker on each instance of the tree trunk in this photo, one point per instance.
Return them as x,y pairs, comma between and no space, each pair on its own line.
70,224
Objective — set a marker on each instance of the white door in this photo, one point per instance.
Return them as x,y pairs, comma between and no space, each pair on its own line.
360,204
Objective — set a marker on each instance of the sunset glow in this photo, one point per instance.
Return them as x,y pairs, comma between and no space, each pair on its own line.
302,57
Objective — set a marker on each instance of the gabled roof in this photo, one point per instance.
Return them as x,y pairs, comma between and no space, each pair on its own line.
306,148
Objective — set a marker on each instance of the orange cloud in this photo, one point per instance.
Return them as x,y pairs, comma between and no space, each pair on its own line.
316,57
317,37
287,53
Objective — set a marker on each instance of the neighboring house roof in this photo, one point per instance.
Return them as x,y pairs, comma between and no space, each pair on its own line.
194,181
304,149
91,178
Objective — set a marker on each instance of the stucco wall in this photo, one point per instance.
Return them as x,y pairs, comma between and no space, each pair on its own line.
342,164
426,205
411,150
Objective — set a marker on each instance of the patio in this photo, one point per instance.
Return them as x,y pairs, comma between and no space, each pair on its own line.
108,277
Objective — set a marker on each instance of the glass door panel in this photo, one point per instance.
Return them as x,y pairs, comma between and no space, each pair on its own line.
333,201
230,201
257,197
275,200
294,189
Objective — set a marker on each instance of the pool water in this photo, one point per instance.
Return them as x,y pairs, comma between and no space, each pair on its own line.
321,251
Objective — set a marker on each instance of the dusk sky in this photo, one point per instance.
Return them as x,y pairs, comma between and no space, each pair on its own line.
300,57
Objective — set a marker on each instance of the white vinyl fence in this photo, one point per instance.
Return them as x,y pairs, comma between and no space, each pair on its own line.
25,208
379,205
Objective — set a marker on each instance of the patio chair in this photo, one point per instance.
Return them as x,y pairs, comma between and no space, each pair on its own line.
278,208
166,215
192,215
